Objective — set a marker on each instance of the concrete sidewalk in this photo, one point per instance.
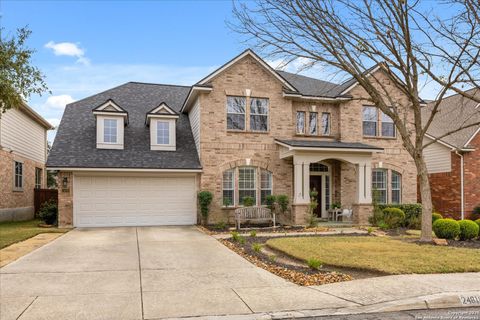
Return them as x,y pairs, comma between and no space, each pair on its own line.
172,272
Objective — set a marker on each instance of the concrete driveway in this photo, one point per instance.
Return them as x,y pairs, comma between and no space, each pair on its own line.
145,273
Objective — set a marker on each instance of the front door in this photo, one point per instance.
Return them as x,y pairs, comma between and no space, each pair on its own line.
316,183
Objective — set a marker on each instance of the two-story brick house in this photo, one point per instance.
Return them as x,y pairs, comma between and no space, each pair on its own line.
137,154
23,153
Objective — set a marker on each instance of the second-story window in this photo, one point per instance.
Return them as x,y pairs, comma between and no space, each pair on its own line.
312,128
326,124
388,127
259,114
301,122
163,132
110,130
370,121
236,113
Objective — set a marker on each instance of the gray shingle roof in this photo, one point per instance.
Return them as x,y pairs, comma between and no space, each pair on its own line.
327,144
75,142
454,112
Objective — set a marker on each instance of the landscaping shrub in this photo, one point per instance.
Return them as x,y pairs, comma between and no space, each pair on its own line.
205,199
436,216
446,228
241,240
314,263
478,223
413,213
248,201
257,247
221,225
253,233
270,201
468,229
49,212
370,230
476,213
383,226
312,220
235,235
282,200
393,217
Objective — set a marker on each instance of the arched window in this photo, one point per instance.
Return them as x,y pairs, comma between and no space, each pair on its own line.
396,187
252,182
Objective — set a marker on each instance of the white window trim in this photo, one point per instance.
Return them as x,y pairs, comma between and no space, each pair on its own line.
232,189
255,188
116,129
377,127
380,132
259,114
392,172
244,114
385,173
264,189
15,188
316,123
329,132
101,144
41,177
171,146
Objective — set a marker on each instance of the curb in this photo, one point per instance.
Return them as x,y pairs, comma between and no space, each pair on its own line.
429,302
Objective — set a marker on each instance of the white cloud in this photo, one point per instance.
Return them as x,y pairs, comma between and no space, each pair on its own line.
58,102
68,49
54,122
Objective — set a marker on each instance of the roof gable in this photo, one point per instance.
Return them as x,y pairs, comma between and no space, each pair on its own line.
244,54
109,106
163,108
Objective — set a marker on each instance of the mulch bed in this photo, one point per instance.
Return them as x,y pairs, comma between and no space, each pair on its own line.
471,244
294,271
212,230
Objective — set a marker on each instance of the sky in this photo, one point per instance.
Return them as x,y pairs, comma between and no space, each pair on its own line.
85,47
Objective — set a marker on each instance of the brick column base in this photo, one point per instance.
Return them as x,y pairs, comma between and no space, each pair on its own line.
361,212
299,213
65,200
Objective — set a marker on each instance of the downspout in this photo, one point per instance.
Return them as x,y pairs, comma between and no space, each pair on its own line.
462,202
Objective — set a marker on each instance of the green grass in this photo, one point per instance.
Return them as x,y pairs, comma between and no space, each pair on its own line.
16,231
380,254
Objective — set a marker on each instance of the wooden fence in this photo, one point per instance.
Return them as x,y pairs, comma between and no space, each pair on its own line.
44,195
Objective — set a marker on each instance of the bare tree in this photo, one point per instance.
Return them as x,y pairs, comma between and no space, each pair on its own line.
413,42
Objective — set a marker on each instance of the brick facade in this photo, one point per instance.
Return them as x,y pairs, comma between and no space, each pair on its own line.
65,199
17,205
446,186
221,149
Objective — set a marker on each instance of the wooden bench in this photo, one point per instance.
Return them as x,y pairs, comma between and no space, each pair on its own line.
256,214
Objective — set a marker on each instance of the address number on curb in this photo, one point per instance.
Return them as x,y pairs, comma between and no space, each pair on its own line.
469,300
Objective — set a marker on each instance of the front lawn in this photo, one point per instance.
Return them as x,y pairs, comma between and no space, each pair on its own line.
16,231
380,254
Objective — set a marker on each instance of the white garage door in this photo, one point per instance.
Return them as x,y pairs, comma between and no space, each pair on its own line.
104,201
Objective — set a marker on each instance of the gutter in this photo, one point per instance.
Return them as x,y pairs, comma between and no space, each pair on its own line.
462,195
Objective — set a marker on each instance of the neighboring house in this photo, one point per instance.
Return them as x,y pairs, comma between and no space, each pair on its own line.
453,161
23,153
138,154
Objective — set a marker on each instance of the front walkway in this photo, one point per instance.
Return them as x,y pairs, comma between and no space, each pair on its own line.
162,272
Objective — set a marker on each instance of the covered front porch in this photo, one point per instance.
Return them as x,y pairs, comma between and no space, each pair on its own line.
340,172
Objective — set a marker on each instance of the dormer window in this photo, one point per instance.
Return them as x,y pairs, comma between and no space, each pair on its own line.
111,120
162,121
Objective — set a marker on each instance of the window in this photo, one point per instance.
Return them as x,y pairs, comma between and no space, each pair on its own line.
325,124
396,187
388,127
259,114
18,175
236,113
228,187
110,130
163,132
265,186
247,183
370,119
318,167
379,185
38,178
301,122
312,128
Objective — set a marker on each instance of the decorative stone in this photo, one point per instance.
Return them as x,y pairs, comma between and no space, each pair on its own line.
440,242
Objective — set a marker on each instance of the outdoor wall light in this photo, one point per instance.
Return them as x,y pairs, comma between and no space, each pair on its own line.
65,183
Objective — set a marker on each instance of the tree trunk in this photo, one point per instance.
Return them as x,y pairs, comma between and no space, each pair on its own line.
426,194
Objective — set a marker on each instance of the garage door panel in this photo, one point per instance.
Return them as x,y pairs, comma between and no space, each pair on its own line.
131,201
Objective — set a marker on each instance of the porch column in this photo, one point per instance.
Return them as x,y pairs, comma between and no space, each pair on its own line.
364,182
301,181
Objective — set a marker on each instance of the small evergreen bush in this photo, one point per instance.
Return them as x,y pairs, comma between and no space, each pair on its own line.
204,200
253,233
235,235
49,212
413,213
282,200
314,263
393,217
248,201
436,216
257,247
478,223
446,228
468,229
